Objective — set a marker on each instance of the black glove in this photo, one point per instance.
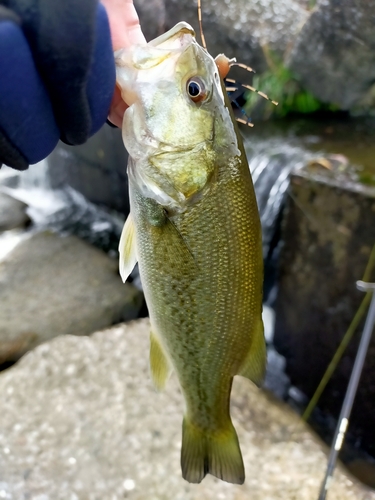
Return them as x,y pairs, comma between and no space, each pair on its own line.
57,75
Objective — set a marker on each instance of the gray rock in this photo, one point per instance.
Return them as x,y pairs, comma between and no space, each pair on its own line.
334,55
80,420
330,48
237,28
50,285
12,213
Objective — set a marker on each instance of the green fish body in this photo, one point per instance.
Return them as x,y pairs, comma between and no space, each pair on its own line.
194,229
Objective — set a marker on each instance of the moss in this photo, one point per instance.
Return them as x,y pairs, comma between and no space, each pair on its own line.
279,83
367,179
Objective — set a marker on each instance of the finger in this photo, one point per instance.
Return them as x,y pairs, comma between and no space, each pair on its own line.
125,31
118,108
124,23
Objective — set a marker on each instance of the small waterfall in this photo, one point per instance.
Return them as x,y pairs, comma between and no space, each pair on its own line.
271,161
32,187
62,210
36,177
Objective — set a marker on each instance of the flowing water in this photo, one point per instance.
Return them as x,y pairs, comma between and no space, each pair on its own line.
62,210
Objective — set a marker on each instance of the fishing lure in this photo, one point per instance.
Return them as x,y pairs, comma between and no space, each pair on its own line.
235,90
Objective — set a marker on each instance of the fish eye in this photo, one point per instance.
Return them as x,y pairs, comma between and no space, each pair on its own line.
196,89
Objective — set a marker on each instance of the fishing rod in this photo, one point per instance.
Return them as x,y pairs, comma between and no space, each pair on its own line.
346,409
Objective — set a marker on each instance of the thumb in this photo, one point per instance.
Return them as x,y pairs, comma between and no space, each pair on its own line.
124,23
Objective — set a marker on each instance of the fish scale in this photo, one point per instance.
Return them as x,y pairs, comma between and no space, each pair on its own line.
206,322
200,259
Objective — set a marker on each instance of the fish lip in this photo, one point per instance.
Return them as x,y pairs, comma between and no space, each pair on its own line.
180,28
183,33
129,61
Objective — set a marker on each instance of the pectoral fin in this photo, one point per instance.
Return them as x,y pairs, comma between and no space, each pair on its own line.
159,364
254,365
127,249
163,228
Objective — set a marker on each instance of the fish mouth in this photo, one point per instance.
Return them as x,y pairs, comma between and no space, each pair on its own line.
177,33
165,46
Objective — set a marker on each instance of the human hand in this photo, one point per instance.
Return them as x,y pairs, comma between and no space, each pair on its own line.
125,31
57,76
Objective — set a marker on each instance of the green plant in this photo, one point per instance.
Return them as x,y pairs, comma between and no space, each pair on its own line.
280,85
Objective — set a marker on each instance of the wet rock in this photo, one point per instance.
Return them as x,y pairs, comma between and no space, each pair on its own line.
334,54
237,28
363,470
328,235
12,213
330,48
80,419
51,285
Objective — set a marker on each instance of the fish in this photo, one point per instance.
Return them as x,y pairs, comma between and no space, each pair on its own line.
194,230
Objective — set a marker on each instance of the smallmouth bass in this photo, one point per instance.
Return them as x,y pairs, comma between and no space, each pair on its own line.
194,229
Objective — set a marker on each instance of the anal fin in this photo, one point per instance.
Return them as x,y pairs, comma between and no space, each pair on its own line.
159,363
254,365
127,249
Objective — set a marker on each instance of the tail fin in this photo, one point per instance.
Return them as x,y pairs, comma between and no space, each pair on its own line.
217,453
